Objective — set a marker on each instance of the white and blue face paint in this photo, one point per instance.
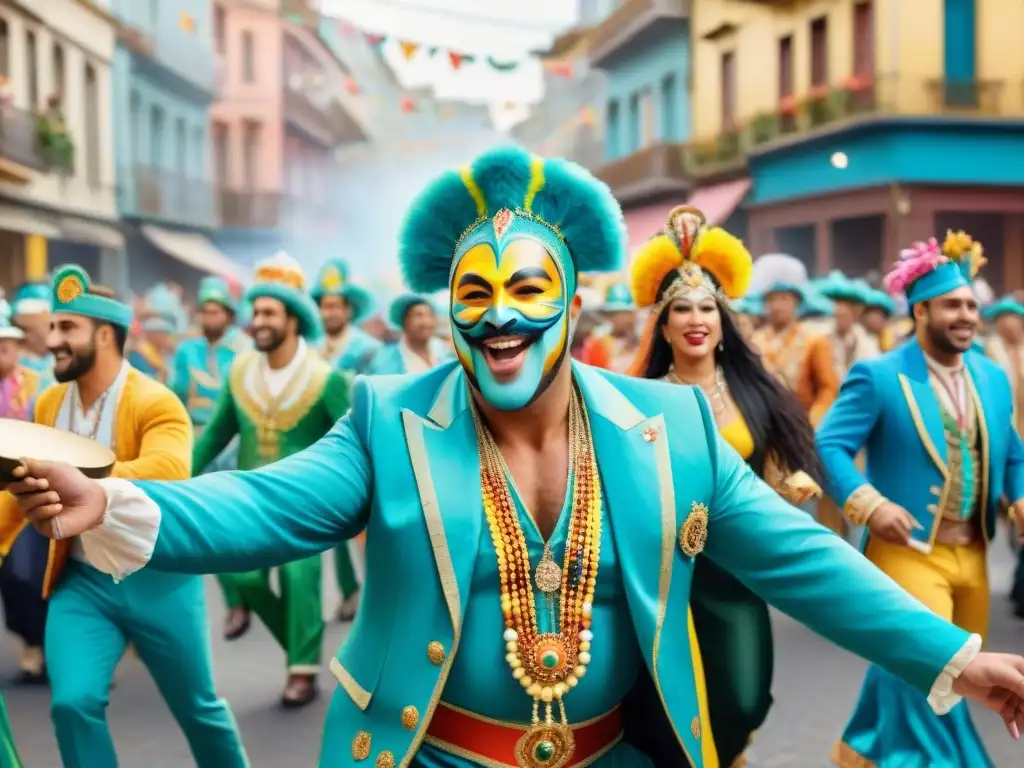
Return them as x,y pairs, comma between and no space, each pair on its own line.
510,308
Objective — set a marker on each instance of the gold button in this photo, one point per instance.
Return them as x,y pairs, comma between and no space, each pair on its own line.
435,652
933,509
695,727
410,718
935,490
361,746
650,434
385,760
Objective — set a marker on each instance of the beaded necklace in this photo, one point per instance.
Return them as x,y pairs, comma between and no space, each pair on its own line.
546,665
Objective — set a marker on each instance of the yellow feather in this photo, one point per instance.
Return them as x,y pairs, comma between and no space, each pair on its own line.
536,182
466,172
655,259
726,258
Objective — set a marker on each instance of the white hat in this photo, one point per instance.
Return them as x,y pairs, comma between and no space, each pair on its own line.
8,331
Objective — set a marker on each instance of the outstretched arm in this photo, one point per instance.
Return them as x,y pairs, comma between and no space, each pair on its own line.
805,570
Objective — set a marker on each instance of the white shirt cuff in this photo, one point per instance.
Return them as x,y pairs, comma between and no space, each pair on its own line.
941,697
123,543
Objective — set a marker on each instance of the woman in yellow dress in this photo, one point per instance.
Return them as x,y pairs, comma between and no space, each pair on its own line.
687,276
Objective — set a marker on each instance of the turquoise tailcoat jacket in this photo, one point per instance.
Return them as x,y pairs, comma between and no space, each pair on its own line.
358,353
888,406
403,464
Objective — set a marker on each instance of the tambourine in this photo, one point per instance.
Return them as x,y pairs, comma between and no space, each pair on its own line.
26,439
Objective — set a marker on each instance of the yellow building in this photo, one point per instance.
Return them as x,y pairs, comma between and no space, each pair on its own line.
865,124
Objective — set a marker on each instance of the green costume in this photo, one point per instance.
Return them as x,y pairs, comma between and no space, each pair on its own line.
273,425
8,752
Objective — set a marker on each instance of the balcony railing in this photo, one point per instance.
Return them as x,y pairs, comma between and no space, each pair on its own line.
827,108
273,210
655,169
630,19
19,139
168,196
303,113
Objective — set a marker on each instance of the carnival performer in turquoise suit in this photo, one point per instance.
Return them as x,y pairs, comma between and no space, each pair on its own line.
201,366
936,421
343,305
419,349
531,523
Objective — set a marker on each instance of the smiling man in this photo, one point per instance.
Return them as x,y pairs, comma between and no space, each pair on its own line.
532,524
935,419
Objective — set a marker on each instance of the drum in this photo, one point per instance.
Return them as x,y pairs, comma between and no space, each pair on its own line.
20,439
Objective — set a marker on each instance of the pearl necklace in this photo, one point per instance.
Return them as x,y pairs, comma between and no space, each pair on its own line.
547,665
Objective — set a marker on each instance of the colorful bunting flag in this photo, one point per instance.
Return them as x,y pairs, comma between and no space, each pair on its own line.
409,49
455,59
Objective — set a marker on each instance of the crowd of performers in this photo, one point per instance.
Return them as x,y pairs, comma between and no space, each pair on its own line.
888,415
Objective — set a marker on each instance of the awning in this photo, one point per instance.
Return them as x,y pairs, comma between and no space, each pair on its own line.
26,222
194,250
718,201
91,232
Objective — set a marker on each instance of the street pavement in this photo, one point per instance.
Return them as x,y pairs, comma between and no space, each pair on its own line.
816,686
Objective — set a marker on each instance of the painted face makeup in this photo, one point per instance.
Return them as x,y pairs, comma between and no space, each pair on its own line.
510,314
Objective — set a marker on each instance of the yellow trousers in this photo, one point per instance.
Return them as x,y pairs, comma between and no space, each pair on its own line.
951,581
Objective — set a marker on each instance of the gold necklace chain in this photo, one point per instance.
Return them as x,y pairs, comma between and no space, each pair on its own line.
546,665
716,393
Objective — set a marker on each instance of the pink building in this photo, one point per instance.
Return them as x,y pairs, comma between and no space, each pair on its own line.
282,110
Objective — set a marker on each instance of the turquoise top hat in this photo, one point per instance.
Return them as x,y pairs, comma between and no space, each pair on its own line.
333,280
1007,305
778,273
8,331
281,277
164,312
71,294
31,299
401,305
507,192
926,270
875,299
217,290
618,299
838,287
815,304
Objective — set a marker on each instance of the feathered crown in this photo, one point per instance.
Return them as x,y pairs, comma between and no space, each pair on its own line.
502,192
703,258
926,270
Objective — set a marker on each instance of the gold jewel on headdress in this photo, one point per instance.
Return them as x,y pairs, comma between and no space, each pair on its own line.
502,221
332,279
275,274
547,665
69,289
692,279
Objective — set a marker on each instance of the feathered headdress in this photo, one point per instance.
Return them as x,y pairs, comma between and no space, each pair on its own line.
708,259
502,193
926,270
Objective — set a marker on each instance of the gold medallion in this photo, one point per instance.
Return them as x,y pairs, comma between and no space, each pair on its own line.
548,575
545,745
694,532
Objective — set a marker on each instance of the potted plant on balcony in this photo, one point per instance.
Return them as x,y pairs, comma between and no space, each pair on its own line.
860,90
817,106
728,144
55,144
765,127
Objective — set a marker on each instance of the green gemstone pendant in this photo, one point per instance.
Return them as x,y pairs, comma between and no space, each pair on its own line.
544,751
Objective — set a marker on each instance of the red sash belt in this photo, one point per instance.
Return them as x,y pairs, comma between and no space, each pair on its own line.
494,743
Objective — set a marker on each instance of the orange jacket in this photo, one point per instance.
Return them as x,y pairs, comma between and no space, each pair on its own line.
817,384
153,438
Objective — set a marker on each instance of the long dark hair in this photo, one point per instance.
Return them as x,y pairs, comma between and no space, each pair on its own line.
776,419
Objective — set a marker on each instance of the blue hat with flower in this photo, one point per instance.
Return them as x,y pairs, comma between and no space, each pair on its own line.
8,331
31,299
618,299
1007,305
401,305
926,270
281,277
333,280
505,192
838,287
71,294
217,290
876,299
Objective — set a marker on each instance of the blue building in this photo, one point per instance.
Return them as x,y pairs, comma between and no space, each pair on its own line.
644,50
163,86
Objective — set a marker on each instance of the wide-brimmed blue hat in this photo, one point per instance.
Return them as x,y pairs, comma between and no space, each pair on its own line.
281,277
618,299
506,193
876,299
926,271
333,280
815,304
1007,305
750,305
71,294
8,331
31,299
838,287
217,290
401,305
